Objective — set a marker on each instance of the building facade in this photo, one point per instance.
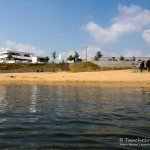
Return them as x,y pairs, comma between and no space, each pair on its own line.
16,56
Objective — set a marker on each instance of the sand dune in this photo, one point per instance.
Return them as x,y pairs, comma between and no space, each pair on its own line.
108,78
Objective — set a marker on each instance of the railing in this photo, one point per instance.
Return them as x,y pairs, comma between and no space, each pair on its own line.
125,58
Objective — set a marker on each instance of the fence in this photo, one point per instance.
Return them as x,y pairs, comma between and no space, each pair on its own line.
125,58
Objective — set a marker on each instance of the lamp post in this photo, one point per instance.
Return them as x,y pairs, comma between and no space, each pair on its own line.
86,52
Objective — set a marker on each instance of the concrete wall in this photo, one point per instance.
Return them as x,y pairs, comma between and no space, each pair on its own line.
117,64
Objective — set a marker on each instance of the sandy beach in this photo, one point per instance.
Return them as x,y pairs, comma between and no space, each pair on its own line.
107,78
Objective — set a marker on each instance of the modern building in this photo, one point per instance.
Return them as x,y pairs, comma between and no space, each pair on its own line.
10,56
16,56
38,59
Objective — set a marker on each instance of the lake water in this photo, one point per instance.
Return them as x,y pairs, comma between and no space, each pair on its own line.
72,117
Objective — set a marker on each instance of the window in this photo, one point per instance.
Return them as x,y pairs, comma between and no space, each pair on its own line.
16,54
26,55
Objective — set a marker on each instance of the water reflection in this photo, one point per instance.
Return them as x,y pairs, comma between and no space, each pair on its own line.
34,92
3,102
50,116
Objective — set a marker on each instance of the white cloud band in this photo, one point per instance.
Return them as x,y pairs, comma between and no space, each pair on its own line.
130,19
146,36
11,45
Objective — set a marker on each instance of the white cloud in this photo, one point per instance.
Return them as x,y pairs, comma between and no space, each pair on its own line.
93,49
146,36
131,53
100,34
11,45
130,19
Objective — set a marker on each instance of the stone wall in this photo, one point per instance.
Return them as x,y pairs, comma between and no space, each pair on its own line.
117,64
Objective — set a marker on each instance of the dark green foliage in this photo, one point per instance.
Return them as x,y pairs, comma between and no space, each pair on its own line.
98,55
121,58
54,56
46,59
10,57
73,57
70,58
76,55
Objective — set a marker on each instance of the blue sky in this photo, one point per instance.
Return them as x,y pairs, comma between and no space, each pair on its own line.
116,27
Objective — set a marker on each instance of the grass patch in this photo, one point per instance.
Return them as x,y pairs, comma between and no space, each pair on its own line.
23,66
83,67
73,67
89,67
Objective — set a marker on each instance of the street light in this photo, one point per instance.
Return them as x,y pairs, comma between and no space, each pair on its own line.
86,48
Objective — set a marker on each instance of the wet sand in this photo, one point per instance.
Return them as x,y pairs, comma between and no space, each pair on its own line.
108,78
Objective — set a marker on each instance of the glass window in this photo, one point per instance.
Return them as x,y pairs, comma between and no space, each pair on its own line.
26,55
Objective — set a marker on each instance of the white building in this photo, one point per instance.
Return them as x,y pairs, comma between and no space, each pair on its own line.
16,56
38,59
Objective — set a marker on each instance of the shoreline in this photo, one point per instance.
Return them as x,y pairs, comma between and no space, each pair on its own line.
115,78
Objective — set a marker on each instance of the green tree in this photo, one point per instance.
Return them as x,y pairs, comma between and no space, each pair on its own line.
73,57
9,56
46,59
98,56
121,58
54,56
76,55
70,58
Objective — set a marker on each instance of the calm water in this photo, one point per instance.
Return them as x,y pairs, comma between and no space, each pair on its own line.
71,117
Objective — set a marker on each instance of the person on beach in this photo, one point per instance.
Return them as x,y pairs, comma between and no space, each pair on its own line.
148,65
142,66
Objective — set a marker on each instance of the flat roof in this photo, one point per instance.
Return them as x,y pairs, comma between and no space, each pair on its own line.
12,51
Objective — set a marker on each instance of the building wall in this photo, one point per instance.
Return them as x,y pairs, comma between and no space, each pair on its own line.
117,64
16,54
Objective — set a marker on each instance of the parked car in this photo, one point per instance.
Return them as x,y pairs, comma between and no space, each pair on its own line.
78,60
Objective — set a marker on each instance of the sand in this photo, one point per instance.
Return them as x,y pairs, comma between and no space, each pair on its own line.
107,78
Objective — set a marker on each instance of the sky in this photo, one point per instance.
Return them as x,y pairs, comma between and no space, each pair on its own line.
115,27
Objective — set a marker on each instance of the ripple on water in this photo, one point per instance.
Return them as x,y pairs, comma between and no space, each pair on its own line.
55,117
